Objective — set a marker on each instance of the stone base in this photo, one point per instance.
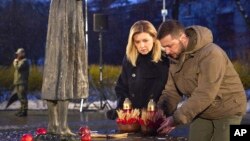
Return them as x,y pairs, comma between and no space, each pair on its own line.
51,137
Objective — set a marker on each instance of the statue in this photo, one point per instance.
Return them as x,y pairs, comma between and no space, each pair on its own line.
65,71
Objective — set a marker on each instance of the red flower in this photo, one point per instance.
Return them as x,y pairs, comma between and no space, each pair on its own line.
141,122
41,131
27,137
151,119
128,121
86,137
84,130
132,120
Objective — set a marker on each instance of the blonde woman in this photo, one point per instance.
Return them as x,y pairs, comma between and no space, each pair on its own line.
144,69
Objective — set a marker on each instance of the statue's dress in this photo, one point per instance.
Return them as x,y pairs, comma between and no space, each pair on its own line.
65,71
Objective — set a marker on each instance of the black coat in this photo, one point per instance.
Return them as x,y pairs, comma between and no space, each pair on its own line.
140,83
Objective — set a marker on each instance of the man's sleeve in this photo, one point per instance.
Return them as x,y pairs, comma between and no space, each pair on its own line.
170,97
212,68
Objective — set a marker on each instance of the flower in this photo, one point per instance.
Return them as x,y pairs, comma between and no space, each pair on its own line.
151,119
41,131
27,137
128,117
84,130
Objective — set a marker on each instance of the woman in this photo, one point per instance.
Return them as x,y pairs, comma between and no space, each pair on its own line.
144,68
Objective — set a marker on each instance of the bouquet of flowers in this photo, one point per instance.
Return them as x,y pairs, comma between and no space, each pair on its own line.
128,120
128,117
151,119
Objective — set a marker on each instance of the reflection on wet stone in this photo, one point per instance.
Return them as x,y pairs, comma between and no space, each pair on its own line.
12,129
16,136
50,137
77,138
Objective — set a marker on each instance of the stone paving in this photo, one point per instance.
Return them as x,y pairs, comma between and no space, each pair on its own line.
12,127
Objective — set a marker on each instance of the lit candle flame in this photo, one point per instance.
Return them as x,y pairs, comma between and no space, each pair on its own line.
151,106
127,105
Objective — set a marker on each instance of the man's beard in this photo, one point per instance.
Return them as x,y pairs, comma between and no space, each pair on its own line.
181,50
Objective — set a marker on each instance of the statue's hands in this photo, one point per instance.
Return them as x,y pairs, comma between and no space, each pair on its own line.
167,125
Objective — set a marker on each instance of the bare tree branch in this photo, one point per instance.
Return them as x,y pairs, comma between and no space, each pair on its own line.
243,12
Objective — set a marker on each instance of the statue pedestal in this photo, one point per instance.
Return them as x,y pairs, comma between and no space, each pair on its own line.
52,137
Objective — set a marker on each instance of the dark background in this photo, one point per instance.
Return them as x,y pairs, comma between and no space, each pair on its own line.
23,23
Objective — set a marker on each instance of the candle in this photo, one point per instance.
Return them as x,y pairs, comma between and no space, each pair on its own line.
127,105
151,106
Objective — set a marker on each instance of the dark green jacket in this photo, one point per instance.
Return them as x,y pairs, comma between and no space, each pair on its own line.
205,75
21,74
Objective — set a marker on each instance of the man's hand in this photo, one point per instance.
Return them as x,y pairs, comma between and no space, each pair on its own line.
167,126
15,62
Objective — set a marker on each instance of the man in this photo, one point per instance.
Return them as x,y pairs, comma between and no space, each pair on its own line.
21,76
200,71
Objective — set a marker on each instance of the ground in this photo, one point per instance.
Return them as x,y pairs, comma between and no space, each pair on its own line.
12,127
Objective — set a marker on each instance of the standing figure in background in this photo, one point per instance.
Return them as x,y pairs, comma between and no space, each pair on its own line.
201,71
65,71
144,68
21,76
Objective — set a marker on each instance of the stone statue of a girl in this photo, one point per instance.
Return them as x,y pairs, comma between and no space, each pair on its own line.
65,71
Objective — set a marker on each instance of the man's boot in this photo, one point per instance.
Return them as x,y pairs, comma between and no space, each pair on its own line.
63,116
53,117
18,112
24,109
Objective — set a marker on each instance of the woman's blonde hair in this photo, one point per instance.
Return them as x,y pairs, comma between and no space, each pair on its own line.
139,27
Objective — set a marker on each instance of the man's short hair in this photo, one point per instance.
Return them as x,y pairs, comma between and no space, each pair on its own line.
170,27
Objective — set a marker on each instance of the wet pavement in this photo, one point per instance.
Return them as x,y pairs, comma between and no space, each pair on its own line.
12,127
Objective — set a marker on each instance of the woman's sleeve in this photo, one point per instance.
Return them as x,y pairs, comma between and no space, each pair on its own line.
121,88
